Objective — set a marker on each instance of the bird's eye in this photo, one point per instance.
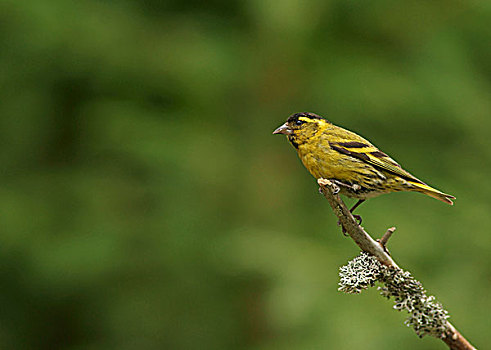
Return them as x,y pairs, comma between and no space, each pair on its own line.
299,122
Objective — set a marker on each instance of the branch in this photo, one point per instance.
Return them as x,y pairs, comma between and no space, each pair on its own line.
408,292
356,232
386,236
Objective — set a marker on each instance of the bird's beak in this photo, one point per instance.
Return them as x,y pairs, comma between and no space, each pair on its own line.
284,129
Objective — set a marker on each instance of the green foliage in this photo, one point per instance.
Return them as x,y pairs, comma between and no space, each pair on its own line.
144,203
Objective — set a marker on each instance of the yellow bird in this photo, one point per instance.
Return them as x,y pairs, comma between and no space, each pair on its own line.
359,168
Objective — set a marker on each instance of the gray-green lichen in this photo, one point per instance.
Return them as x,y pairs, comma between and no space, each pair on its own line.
427,317
359,274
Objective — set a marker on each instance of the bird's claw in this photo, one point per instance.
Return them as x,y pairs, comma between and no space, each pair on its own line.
342,228
325,182
358,218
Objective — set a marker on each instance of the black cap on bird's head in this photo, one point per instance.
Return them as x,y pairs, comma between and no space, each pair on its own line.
297,116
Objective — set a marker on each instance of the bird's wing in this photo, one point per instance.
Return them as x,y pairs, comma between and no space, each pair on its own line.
370,154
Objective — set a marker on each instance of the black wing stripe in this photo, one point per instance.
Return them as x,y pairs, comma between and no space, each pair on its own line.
352,144
361,156
379,154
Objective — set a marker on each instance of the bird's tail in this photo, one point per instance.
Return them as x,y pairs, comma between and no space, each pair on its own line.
432,192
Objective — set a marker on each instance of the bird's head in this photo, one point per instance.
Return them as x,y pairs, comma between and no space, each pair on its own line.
301,127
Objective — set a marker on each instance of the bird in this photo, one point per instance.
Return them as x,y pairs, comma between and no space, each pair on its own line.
355,165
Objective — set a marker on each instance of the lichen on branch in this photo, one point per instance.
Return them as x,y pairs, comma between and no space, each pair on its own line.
426,315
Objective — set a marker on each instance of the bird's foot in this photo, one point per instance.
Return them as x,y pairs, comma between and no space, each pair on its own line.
358,218
336,189
337,185
328,182
345,233
340,183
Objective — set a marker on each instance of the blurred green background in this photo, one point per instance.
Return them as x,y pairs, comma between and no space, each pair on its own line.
144,203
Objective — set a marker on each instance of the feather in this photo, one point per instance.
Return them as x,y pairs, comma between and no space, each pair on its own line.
373,156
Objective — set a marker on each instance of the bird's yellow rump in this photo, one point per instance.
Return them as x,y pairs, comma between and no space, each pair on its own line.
359,168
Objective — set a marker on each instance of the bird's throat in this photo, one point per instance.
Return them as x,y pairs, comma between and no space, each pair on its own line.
293,140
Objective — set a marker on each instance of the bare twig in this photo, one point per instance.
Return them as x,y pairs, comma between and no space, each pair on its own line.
386,236
450,336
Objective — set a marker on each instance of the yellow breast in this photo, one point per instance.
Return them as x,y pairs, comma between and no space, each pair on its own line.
323,161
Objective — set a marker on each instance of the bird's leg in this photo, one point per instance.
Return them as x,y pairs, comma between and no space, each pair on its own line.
341,184
357,217
354,187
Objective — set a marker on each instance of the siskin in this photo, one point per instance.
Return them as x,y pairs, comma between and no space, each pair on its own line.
359,168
